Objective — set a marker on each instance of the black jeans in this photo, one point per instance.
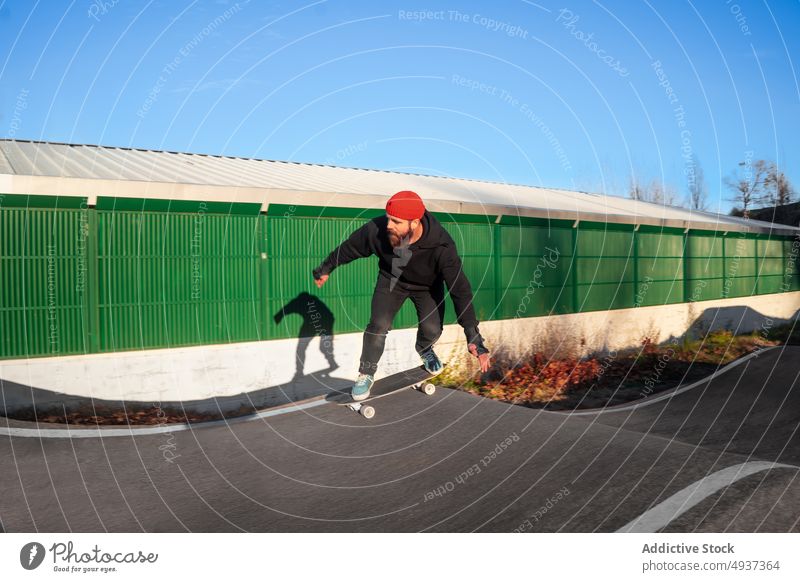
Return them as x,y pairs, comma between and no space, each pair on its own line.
386,302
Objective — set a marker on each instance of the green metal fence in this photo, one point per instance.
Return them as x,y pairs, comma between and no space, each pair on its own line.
659,266
535,267
176,274
138,273
44,275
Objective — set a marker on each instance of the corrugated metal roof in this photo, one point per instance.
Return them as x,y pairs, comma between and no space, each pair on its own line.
5,166
29,158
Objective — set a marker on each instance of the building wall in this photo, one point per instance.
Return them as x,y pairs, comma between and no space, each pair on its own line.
134,274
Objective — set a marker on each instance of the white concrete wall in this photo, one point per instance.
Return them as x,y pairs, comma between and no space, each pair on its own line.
207,372
621,328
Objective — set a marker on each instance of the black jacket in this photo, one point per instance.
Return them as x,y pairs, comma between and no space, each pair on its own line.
421,265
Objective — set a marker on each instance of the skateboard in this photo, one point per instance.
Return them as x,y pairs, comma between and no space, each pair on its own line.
416,378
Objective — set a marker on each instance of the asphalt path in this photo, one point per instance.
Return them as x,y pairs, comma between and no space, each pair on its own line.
720,455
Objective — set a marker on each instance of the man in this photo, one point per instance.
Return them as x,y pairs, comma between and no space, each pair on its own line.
416,256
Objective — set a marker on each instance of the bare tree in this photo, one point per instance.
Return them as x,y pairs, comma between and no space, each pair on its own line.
697,186
778,189
749,184
662,193
635,189
657,191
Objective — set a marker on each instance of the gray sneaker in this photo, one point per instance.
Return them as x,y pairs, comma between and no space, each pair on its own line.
361,388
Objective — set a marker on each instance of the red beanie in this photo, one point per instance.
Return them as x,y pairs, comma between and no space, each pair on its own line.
406,205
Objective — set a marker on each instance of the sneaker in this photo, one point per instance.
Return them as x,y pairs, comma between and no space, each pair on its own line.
430,361
360,389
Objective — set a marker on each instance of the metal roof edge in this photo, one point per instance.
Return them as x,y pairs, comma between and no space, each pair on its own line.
767,226
91,188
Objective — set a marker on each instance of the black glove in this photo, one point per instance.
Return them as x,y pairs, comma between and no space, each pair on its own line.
474,337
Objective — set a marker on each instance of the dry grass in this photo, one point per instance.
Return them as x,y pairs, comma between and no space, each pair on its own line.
543,379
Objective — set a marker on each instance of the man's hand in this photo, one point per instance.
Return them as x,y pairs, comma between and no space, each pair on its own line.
321,281
484,360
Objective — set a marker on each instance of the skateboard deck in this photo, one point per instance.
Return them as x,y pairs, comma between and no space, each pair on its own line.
413,378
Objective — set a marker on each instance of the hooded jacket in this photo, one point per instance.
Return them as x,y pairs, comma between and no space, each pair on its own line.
431,260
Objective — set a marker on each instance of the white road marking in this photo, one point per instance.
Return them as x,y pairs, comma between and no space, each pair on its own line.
83,433
662,514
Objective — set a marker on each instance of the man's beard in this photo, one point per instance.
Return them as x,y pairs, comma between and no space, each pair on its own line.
396,240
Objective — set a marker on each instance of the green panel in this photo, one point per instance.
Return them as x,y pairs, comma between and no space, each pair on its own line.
770,284
535,241
704,289
90,290
741,245
703,244
770,266
605,296
526,302
740,286
535,271
659,245
604,270
479,270
42,201
43,287
608,243
262,290
309,237
482,219
661,230
607,226
791,251
186,206
483,303
471,239
174,279
480,273
770,247
740,267
791,263
296,245
659,292
299,211
290,275
704,268
661,269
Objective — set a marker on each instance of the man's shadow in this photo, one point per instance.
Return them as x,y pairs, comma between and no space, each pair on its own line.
318,320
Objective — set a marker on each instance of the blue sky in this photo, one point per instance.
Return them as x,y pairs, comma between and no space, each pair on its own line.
575,95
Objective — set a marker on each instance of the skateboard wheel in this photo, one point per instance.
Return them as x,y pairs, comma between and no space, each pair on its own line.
428,388
367,411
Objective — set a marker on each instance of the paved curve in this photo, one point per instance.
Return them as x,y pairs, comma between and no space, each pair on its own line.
720,456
